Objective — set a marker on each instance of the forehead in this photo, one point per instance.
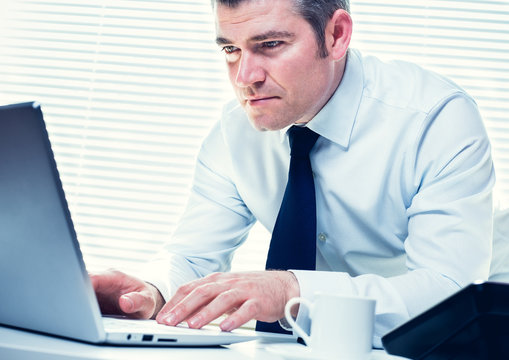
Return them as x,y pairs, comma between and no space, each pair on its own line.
252,16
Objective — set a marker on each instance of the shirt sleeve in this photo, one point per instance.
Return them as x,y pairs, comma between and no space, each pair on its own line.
499,268
449,221
214,224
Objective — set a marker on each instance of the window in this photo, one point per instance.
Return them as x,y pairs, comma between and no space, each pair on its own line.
129,89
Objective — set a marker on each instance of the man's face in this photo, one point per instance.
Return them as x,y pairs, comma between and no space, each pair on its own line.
273,63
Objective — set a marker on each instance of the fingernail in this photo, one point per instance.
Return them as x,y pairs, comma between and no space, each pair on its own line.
170,319
130,303
194,321
226,325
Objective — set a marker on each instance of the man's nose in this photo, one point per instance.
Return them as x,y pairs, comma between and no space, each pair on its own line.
250,70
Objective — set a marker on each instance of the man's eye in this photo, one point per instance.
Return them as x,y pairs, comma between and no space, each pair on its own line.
271,44
229,49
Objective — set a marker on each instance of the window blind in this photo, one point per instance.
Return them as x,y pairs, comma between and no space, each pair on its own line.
130,88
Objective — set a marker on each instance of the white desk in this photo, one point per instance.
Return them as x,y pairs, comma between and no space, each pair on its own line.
21,345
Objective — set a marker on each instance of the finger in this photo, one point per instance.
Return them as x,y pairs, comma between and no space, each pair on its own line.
106,282
223,303
106,291
247,311
192,303
98,281
110,286
165,316
186,289
180,295
137,304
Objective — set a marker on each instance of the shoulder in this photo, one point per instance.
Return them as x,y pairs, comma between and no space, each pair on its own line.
406,85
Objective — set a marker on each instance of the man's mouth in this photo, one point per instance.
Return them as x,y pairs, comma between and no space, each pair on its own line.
260,100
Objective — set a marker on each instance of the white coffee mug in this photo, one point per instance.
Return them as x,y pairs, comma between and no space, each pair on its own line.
341,326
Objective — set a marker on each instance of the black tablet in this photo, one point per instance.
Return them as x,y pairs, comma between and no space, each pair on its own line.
471,324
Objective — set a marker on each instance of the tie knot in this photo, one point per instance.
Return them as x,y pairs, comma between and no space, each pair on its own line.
302,140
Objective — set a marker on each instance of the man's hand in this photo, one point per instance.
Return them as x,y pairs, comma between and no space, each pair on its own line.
244,296
122,294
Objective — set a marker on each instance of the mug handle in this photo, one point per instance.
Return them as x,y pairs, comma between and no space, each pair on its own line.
291,321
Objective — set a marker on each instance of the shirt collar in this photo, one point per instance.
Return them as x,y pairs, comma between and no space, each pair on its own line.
336,119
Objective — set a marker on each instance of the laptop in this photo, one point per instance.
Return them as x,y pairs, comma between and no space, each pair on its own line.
45,285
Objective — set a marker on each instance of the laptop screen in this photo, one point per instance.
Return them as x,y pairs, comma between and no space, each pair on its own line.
45,286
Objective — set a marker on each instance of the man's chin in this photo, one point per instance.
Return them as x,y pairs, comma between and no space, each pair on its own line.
260,127
264,124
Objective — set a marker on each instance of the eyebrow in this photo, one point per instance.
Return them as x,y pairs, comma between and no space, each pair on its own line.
267,35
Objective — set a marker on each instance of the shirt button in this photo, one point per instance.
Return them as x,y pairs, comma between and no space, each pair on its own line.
322,237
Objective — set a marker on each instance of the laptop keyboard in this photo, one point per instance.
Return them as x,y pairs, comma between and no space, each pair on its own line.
116,324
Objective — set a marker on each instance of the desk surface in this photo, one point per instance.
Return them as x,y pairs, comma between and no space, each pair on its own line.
20,345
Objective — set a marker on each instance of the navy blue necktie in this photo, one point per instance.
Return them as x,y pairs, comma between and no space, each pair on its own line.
293,243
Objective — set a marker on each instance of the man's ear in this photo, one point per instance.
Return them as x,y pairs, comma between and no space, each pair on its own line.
338,34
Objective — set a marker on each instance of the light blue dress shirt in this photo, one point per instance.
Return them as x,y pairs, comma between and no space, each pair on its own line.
403,175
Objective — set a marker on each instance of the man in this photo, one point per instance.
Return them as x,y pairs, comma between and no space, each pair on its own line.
402,172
